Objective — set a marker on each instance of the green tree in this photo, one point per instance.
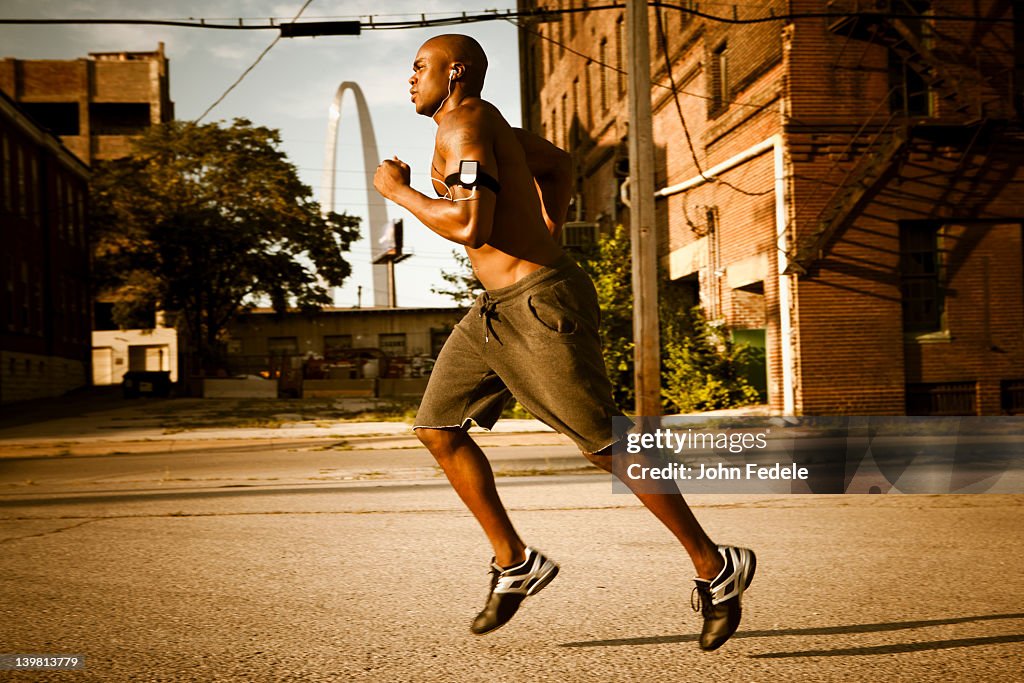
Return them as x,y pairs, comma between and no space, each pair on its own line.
608,263
701,368
203,219
463,285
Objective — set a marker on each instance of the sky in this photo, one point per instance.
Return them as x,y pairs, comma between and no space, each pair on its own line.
292,88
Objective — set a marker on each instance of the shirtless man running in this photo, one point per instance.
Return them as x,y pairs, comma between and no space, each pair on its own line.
503,193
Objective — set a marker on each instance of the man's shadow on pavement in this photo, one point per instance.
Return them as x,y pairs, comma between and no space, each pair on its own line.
837,630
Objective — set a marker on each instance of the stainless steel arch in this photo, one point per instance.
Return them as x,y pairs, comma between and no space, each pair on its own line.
377,214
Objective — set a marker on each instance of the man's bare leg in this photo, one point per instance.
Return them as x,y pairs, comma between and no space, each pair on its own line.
672,511
471,476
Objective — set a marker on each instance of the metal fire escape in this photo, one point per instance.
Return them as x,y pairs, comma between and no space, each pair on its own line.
881,22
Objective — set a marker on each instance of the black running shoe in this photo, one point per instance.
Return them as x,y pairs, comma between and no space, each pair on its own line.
718,600
509,587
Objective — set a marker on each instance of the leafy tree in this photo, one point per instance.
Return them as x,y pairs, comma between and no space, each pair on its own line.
701,367
202,219
609,265
464,287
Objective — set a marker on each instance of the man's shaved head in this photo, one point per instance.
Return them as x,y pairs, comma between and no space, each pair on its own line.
460,49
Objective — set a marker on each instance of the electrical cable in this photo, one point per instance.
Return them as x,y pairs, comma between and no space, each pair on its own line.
250,68
663,39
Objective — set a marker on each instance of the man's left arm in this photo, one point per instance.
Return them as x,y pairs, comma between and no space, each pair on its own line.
465,217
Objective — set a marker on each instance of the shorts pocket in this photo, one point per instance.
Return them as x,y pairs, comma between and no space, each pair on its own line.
555,312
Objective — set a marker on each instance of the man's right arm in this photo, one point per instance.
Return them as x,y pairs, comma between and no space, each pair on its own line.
551,168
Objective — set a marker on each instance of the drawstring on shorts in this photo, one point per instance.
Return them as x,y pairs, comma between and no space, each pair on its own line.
488,311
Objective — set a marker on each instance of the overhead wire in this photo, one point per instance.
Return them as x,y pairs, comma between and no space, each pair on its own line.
663,40
250,67
492,15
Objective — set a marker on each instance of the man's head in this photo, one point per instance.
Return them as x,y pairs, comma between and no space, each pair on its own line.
447,63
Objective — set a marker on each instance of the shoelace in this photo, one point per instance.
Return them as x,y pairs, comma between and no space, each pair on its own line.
700,600
488,311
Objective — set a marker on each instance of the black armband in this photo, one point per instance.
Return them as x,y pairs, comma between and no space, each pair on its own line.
471,176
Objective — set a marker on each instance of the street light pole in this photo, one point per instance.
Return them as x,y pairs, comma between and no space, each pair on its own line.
647,357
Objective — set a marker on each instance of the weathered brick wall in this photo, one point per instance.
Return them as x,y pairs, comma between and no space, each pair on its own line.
143,78
829,96
854,355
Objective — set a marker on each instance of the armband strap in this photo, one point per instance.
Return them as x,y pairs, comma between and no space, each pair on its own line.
481,179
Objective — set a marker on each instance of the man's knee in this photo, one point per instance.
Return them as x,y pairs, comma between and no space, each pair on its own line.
439,441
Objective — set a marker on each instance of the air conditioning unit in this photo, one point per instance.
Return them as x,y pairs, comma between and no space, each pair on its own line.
579,235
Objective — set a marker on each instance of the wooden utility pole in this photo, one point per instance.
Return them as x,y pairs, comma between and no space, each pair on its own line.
647,357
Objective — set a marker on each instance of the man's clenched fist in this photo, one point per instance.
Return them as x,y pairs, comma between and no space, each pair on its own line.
391,175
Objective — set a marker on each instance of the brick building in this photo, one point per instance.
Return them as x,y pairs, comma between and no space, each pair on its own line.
95,104
98,105
846,189
44,265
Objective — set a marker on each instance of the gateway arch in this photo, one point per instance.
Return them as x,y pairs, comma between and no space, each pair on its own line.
377,214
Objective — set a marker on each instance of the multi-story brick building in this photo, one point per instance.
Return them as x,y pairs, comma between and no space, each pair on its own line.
846,188
98,105
95,104
44,264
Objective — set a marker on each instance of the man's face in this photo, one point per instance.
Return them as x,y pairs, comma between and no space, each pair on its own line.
429,79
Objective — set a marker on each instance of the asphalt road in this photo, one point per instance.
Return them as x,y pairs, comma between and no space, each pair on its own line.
280,564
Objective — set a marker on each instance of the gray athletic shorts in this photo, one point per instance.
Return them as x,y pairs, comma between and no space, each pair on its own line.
536,340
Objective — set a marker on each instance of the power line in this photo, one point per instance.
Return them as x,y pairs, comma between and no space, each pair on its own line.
541,14
251,67
663,39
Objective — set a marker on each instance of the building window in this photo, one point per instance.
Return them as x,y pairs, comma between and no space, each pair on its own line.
603,66
1011,393
6,174
36,204
550,49
572,18
336,344
119,118
282,346
942,398
60,118
620,51
561,35
392,344
576,123
719,79
565,117
921,270
587,85
22,194
909,93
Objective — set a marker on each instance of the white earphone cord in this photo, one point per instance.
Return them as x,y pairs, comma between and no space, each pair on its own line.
448,190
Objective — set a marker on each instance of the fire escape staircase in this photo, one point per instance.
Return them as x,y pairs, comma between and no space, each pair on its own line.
880,22
878,161
879,25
